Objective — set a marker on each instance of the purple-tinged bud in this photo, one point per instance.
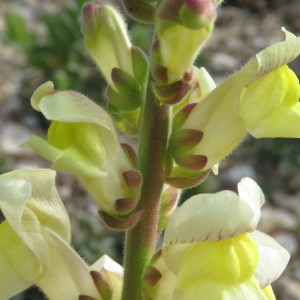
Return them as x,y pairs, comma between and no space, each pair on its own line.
188,74
182,115
130,154
125,205
182,28
102,285
185,139
85,297
159,282
151,276
169,199
171,93
183,181
120,224
133,179
197,14
108,277
159,73
168,204
140,10
106,38
192,162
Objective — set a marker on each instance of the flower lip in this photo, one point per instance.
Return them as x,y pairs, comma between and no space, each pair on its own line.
213,217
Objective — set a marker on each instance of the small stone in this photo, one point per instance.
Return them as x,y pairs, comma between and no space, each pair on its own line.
275,219
11,136
288,241
286,288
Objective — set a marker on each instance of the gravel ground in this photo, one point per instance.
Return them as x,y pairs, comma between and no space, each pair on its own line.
240,33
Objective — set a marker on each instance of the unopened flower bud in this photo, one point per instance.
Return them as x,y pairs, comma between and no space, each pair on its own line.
105,36
125,67
107,276
159,282
140,10
182,29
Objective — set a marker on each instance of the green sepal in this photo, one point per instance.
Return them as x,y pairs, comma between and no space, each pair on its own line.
181,116
171,93
127,85
185,139
140,66
102,285
118,224
127,122
183,178
191,18
122,102
139,10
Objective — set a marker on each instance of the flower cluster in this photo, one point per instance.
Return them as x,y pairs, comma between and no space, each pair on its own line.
185,126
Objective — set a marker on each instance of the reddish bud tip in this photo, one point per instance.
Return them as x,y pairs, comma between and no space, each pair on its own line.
131,154
169,199
132,178
126,205
171,93
120,224
102,285
89,10
188,75
205,7
185,182
152,276
85,297
185,139
182,115
191,162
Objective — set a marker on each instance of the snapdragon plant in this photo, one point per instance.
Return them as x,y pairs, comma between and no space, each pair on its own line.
206,248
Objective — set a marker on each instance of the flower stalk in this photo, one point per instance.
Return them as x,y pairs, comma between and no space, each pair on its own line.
141,240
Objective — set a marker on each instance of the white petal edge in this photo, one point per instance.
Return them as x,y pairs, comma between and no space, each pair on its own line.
108,264
273,258
250,192
212,217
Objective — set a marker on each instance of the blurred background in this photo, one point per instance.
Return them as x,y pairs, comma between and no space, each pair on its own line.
41,40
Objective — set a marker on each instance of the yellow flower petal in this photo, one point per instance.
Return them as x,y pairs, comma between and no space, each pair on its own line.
273,258
261,97
270,106
19,265
268,291
34,239
215,270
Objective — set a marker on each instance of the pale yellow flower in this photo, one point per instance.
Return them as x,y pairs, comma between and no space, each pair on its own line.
82,141
212,250
261,99
35,237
